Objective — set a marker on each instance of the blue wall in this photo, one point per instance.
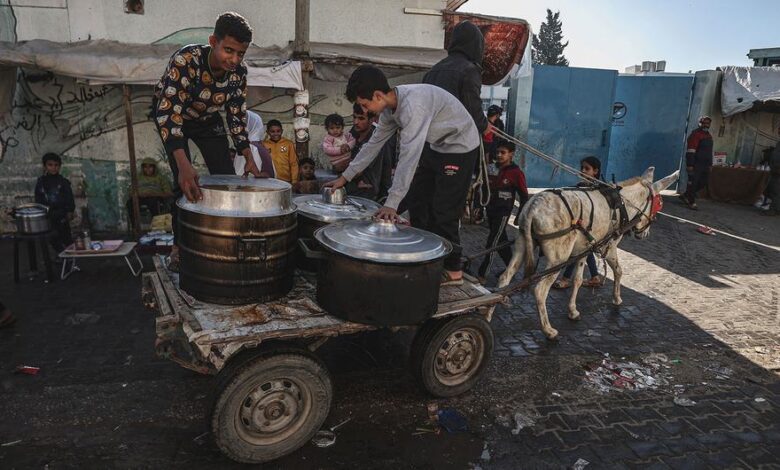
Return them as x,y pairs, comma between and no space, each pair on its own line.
651,130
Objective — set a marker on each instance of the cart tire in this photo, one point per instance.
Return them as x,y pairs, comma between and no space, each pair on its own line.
449,356
271,406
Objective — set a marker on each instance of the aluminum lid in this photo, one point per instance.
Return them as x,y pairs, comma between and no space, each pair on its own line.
314,207
236,196
382,242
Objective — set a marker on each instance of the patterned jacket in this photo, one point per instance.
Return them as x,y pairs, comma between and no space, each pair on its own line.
188,91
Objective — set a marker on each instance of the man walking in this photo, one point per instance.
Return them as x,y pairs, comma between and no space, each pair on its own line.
698,160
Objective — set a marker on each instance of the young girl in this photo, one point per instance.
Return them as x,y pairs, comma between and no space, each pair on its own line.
591,166
337,145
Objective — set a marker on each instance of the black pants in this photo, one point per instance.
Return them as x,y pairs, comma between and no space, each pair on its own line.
497,224
437,196
63,239
696,182
212,141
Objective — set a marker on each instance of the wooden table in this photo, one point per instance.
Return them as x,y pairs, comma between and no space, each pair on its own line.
126,251
736,185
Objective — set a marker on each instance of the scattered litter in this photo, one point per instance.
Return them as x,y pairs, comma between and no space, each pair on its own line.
682,401
721,373
522,421
611,375
325,438
116,428
12,443
759,400
334,428
633,434
592,333
676,361
485,453
737,401
129,360
556,394
761,350
28,370
199,439
124,385
82,319
705,230
135,331
580,464
452,420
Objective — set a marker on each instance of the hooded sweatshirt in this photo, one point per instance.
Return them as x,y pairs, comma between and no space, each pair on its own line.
460,72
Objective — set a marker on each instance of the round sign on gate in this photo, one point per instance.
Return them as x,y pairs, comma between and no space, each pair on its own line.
619,110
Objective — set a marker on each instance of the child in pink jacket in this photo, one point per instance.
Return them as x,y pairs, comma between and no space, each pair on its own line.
338,144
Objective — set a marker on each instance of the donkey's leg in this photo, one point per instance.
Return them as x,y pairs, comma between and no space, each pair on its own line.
576,283
514,264
542,289
612,261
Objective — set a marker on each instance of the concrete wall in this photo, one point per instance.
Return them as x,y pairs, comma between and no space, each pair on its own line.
49,113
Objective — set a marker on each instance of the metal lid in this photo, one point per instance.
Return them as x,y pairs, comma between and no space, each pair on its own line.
383,242
31,210
236,196
314,207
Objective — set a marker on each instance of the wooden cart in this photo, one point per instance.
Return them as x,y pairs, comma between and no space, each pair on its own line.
272,393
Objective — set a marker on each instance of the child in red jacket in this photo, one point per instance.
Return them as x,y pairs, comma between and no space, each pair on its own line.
508,185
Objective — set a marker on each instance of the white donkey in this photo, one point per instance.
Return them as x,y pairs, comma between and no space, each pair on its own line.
546,214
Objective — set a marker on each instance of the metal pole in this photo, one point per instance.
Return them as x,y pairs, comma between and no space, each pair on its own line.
133,166
301,52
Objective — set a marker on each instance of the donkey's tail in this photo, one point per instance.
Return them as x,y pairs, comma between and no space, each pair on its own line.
530,262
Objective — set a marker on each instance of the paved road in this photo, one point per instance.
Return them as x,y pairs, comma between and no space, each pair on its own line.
709,304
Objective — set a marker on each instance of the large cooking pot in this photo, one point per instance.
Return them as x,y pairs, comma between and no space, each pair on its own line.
237,244
31,219
318,210
379,273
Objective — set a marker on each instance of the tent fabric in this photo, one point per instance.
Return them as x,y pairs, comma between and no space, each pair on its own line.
106,62
743,87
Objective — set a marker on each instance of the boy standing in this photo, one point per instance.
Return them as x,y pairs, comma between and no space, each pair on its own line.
53,191
307,183
282,153
504,188
435,183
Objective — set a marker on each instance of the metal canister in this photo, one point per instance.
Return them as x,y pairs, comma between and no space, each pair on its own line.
87,239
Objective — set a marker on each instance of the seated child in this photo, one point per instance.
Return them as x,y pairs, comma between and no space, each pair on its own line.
53,191
504,188
154,190
307,183
337,145
285,160
591,166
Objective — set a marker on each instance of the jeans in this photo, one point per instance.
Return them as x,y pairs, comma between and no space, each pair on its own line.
592,267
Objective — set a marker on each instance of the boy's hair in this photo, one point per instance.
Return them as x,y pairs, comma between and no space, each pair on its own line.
51,157
507,145
364,81
334,120
306,161
357,109
234,25
594,162
273,123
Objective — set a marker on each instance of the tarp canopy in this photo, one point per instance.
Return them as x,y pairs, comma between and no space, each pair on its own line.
744,87
103,61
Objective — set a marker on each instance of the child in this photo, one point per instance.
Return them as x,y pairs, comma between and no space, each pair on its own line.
591,166
504,188
434,178
263,161
337,145
283,154
53,190
307,182
154,190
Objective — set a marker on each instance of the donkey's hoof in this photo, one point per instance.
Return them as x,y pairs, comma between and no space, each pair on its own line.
575,316
552,334
617,302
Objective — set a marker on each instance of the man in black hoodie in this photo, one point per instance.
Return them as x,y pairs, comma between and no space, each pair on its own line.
460,72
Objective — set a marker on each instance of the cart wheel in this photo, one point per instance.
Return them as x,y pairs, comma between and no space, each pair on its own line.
271,406
449,356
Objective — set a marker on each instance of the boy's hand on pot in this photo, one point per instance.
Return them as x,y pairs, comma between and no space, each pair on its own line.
188,182
387,213
340,182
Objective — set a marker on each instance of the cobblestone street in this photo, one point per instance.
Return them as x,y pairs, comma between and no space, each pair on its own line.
707,306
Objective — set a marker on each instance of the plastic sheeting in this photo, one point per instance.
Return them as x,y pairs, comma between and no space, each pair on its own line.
742,87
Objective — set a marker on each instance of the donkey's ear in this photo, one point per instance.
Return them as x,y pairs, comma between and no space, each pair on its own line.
664,183
647,176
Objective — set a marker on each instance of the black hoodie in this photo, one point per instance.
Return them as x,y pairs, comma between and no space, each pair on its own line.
460,72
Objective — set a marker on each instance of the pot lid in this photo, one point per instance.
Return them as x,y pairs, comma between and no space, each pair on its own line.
314,207
236,196
31,210
383,242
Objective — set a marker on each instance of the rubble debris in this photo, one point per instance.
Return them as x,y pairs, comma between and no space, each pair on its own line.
324,438
27,370
522,421
485,453
610,375
82,319
682,401
580,464
11,443
759,400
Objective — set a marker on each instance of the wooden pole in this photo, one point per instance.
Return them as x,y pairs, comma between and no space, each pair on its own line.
301,52
133,166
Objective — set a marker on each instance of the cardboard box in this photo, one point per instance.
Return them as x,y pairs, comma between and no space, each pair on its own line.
719,159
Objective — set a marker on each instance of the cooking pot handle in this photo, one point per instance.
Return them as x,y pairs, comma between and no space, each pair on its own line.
308,252
251,248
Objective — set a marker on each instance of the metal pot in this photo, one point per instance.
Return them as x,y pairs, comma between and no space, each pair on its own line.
31,219
318,210
379,273
237,243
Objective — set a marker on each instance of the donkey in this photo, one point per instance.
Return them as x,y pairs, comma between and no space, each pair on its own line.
547,221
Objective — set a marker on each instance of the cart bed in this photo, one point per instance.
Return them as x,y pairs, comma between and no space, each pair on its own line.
202,336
